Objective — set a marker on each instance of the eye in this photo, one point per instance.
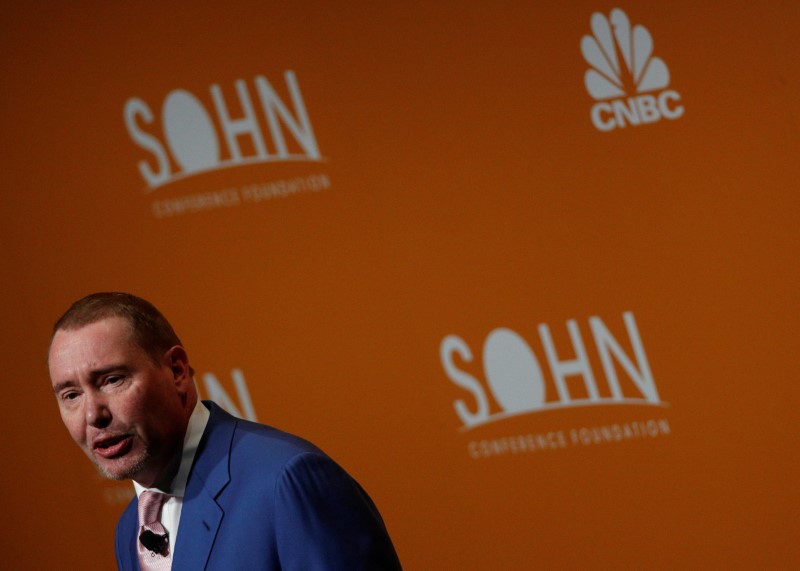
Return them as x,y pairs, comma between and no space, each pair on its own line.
70,395
114,380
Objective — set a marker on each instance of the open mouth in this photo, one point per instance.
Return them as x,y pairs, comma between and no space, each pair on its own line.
113,446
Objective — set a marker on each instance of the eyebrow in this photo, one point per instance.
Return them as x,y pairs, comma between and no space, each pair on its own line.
93,374
57,388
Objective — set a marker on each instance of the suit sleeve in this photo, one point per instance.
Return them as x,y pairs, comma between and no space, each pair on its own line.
326,522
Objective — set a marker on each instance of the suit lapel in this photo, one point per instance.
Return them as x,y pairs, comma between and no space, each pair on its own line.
125,538
201,515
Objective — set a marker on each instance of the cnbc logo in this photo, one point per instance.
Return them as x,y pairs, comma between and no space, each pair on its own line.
628,82
221,129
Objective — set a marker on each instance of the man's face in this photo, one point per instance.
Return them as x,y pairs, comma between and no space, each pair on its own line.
126,412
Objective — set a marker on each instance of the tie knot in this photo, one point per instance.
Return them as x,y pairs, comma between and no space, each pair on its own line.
150,504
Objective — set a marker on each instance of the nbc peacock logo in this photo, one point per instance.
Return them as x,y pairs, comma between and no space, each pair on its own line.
629,83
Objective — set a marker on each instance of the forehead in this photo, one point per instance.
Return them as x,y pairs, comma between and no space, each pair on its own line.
93,345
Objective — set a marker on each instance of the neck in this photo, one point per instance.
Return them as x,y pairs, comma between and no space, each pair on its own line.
163,481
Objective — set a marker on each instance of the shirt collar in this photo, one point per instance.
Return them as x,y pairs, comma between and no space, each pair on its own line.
194,432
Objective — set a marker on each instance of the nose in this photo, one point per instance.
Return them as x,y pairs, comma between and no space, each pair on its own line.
97,412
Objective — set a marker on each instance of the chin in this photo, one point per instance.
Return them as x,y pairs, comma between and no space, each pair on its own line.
123,468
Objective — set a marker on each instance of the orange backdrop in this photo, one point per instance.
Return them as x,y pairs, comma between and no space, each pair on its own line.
526,269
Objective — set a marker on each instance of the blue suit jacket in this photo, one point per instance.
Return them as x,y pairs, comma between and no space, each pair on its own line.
261,499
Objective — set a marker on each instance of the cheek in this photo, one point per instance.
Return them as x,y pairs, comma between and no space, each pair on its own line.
140,414
148,410
73,421
130,407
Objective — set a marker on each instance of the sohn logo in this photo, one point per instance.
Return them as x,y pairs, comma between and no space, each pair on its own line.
628,81
190,137
514,376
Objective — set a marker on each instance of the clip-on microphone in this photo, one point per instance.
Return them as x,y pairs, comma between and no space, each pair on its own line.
154,542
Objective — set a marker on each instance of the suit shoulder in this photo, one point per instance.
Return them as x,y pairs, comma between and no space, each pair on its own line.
255,436
255,441
262,435
251,448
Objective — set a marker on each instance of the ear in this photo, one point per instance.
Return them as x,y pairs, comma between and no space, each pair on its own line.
178,362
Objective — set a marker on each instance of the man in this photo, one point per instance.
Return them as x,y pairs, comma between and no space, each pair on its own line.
213,491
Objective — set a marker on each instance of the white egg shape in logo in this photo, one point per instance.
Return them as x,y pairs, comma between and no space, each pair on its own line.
189,132
512,372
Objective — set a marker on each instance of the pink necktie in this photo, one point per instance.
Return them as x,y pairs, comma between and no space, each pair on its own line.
150,504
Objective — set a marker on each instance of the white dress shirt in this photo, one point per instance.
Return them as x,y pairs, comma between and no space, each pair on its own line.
171,512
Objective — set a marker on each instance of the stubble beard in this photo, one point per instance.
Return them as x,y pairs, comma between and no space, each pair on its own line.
127,473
